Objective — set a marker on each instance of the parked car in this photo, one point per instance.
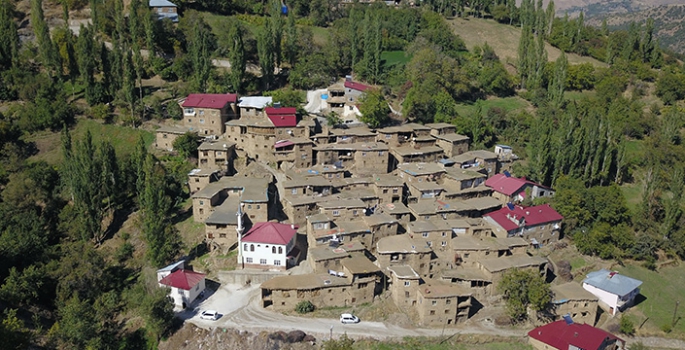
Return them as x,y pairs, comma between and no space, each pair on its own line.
209,315
349,318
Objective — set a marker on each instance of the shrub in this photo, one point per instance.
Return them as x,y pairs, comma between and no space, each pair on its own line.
666,327
304,307
626,326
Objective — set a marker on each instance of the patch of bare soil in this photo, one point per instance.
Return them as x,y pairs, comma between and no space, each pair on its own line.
191,337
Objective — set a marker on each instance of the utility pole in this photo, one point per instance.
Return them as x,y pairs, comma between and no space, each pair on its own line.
675,312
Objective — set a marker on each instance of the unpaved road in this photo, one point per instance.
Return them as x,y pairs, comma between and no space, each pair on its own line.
240,309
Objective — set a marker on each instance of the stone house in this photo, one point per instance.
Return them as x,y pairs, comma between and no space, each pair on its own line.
436,233
200,178
415,154
324,258
404,285
480,160
269,245
494,268
403,250
571,299
253,106
294,151
464,184
381,225
399,211
252,192
437,129
441,304
471,278
420,172
452,144
510,189
539,224
166,135
164,9
216,155
298,208
301,186
388,188
222,226
207,114
360,158
421,191
476,227
469,250
343,209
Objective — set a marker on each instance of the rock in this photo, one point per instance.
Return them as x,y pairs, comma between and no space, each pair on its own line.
296,336
309,338
279,336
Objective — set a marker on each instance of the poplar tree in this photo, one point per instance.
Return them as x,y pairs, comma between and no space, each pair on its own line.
134,29
129,84
291,40
266,54
46,48
9,39
200,53
276,29
236,55
161,237
353,27
549,14
558,83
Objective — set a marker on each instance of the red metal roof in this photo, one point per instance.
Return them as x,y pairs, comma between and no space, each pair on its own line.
216,101
508,185
537,215
282,117
183,279
560,335
271,233
356,86
283,143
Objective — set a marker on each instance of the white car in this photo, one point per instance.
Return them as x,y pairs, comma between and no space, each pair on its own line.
209,315
349,318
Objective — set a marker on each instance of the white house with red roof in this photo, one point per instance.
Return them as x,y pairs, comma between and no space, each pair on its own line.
185,286
538,224
567,335
207,114
269,246
513,189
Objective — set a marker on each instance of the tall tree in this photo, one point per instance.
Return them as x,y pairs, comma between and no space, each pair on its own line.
558,83
276,29
236,55
46,48
200,49
353,26
266,54
291,38
136,36
9,39
162,239
374,108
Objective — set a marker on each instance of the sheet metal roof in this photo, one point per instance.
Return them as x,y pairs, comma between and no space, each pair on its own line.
612,282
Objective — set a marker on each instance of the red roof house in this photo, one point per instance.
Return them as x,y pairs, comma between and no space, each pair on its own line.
213,101
356,86
282,117
183,279
270,233
513,189
532,222
564,335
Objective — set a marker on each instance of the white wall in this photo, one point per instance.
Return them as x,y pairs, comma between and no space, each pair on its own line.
604,297
264,251
180,296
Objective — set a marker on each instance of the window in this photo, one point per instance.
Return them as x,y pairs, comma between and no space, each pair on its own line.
273,250
336,212
443,243
164,136
447,311
363,154
248,260
388,136
406,294
354,212
262,261
394,190
380,153
249,206
448,301
252,247
202,121
430,244
434,302
245,247
432,312
202,112
280,250
259,206
407,283
189,111
277,263
219,153
202,202
385,191
424,234
444,234
293,191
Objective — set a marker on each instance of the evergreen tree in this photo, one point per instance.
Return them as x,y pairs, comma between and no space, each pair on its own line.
353,26
9,39
136,36
266,54
129,85
276,29
549,14
236,55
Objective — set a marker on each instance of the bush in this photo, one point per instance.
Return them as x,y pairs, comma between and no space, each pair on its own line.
304,307
626,326
666,328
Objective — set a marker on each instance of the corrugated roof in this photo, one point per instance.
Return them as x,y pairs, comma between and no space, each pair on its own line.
561,335
533,216
270,233
162,3
183,279
612,282
216,101
356,86
258,102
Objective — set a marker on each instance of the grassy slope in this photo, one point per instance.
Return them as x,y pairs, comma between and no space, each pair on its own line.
504,39
661,290
122,138
507,104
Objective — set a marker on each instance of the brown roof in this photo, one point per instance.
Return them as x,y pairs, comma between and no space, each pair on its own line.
418,169
220,145
442,290
305,282
514,261
359,264
474,243
409,150
404,272
379,219
466,274
401,244
570,291
342,203
172,129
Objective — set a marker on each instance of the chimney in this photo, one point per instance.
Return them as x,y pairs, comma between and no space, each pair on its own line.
292,226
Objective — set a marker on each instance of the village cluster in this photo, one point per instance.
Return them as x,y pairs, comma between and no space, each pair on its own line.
404,209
